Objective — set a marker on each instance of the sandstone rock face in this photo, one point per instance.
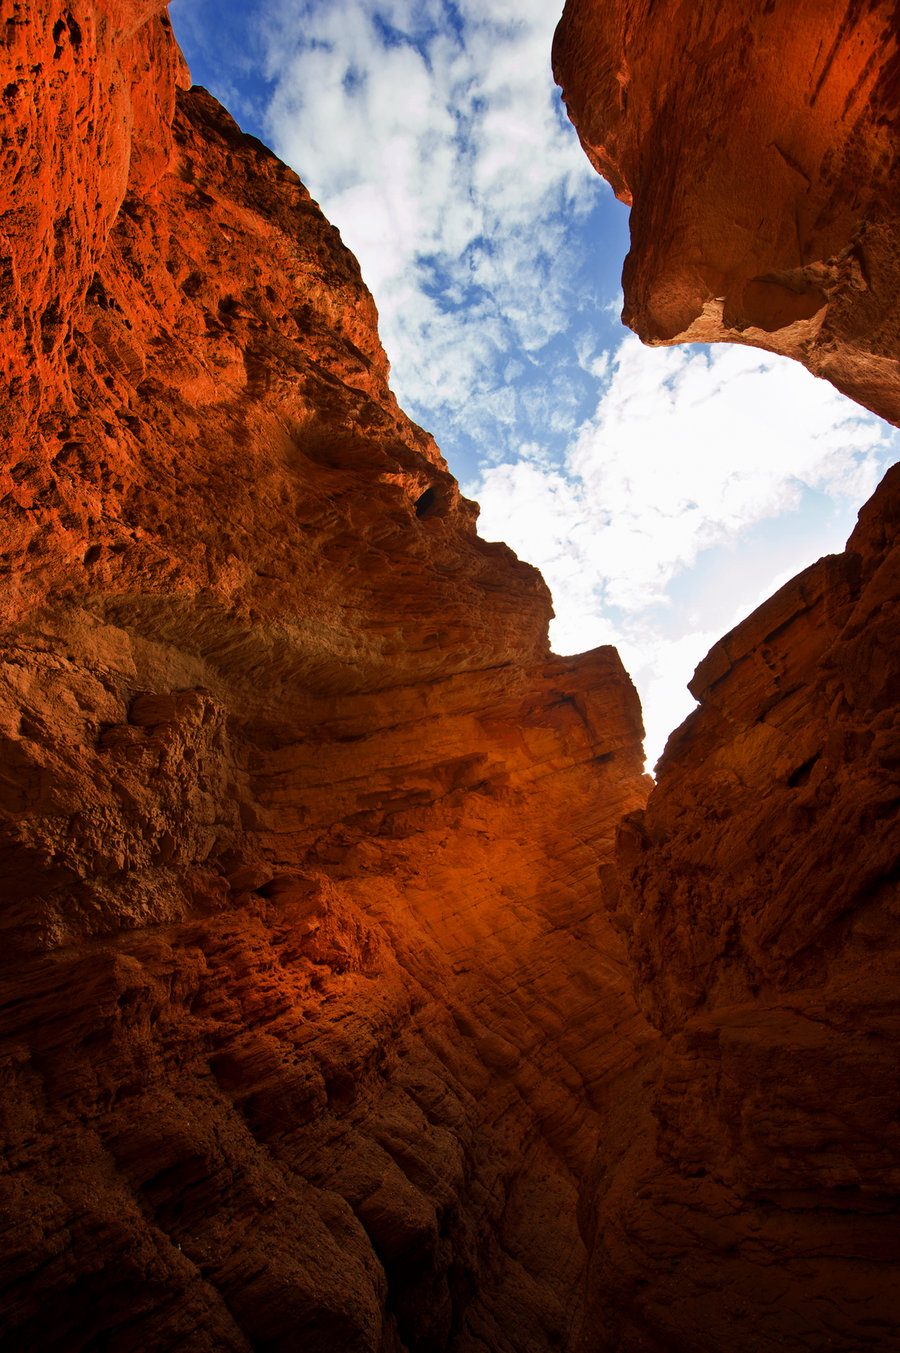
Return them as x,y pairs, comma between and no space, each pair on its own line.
309,1015
745,1196
88,100
757,145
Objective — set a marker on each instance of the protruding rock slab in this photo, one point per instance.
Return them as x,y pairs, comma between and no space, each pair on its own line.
757,145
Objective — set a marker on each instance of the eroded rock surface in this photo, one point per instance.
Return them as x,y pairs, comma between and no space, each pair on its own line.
747,1197
310,1016
757,146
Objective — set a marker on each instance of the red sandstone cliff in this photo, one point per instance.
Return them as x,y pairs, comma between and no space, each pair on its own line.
757,145
746,1194
309,1013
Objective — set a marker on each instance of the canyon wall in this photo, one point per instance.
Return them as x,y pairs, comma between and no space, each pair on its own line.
322,974
757,147
309,1013
747,1197
746,1193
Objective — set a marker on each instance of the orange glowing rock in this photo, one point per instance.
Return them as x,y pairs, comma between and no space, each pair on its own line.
757,146
310,1011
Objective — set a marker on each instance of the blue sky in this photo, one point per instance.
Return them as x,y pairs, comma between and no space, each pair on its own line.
663,492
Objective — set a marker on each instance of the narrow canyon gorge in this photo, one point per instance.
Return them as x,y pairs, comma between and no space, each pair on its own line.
359,993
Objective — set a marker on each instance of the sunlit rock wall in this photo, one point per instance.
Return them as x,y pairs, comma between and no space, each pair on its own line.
309,1015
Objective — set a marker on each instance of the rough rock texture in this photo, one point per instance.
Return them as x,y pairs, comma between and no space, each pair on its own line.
747,1191
758,147
309,1016
748,1196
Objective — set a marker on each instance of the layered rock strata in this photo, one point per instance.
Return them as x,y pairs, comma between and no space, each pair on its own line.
757,147
747,1197
746,1193
309,1014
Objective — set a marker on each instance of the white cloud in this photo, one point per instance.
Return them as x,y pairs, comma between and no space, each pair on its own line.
661,492
688,452
687,448
437,146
